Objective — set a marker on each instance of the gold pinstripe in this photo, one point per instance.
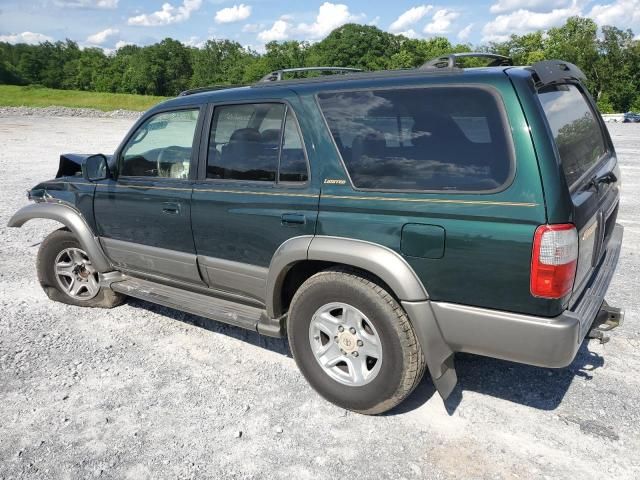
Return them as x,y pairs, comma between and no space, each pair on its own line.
336,197
433,200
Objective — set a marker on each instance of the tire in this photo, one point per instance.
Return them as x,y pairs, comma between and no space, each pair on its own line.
397,362
57,250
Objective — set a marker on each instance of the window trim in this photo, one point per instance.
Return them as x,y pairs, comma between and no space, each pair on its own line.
604,132
206,138
502,111
195,145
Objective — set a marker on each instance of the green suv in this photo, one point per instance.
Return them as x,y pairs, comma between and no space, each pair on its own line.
381,220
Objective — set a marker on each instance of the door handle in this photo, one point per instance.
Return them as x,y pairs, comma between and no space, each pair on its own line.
289,219
171,208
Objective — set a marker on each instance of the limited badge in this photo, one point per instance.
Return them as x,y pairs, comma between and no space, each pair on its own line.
334,181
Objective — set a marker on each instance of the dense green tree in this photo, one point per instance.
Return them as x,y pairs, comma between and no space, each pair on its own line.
611,60
352,45
614,69
219,62
524,49
415,52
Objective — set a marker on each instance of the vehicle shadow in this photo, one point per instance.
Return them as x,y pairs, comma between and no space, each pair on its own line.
278,345
536,387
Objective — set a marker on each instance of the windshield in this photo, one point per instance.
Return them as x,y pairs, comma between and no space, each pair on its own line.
575,129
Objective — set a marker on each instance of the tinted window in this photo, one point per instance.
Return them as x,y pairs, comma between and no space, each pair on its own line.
293,164
245,144
575,129
420,138
161,147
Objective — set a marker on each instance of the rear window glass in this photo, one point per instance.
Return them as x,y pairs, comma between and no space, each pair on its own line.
436,138
574,128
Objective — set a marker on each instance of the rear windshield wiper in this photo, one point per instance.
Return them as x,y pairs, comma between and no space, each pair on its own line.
605,178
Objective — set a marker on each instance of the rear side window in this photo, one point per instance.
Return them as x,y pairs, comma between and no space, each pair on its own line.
439,138
574,127
256,142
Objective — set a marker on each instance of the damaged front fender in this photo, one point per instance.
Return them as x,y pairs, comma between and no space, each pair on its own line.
73,220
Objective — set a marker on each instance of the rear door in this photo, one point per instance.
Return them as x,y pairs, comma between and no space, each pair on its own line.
590,168
254,192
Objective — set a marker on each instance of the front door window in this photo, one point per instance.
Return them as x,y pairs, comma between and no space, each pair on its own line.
161,147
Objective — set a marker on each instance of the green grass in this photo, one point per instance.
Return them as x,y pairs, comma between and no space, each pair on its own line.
31,96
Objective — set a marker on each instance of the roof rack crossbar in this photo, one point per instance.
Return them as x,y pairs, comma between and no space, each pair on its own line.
450,60
277,75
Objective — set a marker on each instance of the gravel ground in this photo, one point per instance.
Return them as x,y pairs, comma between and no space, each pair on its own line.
142,391
56,111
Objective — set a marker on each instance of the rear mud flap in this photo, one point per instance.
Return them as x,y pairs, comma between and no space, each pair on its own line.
438,355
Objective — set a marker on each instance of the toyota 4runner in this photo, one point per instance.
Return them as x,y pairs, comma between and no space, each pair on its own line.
381,220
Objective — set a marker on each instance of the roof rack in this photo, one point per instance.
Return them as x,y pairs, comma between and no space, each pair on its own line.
277,75
450,60
211,88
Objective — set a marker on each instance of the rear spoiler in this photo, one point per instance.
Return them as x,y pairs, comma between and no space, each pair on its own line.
552,72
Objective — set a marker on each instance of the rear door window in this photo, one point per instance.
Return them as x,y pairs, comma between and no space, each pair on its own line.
257,142
438,138
575,129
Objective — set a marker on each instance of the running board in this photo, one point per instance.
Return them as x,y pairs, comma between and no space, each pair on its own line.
214,308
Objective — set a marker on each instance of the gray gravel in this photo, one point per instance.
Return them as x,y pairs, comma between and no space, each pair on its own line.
55,111
142,391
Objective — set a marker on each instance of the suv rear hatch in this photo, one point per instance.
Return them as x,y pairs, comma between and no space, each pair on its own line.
589,164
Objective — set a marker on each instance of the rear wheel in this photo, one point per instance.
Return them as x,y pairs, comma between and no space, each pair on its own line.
353,342
67,275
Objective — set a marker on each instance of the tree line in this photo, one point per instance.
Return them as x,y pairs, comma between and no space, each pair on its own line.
610,58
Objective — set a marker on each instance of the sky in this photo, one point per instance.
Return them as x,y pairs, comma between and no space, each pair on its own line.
109,24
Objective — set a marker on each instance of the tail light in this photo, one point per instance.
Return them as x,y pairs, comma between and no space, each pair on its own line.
554,260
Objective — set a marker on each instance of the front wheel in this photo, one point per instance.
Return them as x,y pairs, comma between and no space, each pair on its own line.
353,342
67,275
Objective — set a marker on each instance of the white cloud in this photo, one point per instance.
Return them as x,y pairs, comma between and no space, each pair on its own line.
168,15
620,13
279,31
252,27
375,21
236,13
330,16
463,34
86,3
525,21
441,22
25,37
122,43
194,41
504,6
101,37
411,16
411,33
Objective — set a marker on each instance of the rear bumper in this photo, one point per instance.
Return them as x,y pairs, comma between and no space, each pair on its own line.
545,342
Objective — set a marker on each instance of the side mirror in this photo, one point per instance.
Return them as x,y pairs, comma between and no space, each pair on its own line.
95,168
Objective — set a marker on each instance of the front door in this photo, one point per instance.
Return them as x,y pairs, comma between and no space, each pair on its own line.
144,214
253,195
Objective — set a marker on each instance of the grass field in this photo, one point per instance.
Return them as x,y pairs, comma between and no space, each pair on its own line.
29,96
